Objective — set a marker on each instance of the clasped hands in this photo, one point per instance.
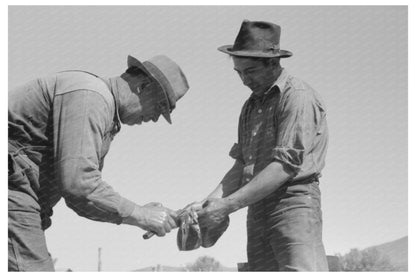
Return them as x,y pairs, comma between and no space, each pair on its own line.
211,212
160,220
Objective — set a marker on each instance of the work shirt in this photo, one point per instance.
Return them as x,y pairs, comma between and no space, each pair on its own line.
286,124
65,124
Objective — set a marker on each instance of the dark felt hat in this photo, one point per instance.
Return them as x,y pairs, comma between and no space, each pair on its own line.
257,39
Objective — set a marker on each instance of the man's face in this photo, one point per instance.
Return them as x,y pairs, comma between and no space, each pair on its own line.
255,74
145,103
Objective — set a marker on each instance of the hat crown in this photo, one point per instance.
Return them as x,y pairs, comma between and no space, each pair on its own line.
258,36
259,39
169,75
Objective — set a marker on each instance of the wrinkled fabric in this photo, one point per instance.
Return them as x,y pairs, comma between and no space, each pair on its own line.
287,124
65,124
27,249
285,233
26,243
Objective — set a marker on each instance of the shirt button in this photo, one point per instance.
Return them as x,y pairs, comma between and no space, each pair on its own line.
254,133
260,111
250,157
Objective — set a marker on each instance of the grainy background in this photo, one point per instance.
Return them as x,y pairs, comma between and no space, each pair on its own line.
355,56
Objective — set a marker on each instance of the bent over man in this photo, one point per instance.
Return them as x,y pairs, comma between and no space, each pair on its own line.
60,129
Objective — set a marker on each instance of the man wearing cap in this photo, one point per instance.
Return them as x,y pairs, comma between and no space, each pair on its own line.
60,129
282,143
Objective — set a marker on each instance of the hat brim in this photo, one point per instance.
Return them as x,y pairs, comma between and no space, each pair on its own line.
132,61
254,54
166,113
167,117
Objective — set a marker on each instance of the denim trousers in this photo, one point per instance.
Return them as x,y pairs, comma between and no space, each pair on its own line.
27,249
284,231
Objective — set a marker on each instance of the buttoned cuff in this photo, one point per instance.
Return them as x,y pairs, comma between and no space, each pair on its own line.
291,158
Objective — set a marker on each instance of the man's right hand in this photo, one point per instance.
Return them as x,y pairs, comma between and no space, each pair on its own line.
153,217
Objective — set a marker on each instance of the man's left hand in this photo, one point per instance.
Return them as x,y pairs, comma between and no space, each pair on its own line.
214,212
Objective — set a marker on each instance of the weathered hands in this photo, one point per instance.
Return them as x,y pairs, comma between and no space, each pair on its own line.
194,206
153,217
214,212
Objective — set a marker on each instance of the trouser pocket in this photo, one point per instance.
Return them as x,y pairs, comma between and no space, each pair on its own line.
27,244
23,174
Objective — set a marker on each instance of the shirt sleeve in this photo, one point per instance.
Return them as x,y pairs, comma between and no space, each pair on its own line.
80,120
236,151
297,122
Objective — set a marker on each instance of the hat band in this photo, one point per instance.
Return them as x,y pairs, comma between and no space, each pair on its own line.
274,48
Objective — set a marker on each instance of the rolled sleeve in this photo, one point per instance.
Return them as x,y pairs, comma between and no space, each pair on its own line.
296,130
291,158
80,121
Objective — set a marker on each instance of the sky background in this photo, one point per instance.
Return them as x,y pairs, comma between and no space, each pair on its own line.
355,57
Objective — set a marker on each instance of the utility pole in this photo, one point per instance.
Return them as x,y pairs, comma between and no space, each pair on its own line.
99,259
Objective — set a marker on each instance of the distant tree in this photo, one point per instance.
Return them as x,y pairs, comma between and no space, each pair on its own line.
204,263
334,263
365,260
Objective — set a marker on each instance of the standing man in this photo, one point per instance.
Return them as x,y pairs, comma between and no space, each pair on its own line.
279,156
60,129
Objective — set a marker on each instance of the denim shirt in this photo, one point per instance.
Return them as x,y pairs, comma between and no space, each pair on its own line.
286,124
65,124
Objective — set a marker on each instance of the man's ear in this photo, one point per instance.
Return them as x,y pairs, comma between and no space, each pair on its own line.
132,81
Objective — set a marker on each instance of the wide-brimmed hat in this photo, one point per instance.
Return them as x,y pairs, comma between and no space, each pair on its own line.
168,75
257,39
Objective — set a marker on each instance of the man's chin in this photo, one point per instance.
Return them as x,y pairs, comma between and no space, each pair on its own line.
131,121
258,92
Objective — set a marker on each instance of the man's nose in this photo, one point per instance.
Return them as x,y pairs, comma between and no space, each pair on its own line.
155,118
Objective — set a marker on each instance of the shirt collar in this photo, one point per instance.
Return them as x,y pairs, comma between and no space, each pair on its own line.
112,85
280,83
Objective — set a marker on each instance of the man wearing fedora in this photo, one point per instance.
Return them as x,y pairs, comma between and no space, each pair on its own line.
60,129
279,155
